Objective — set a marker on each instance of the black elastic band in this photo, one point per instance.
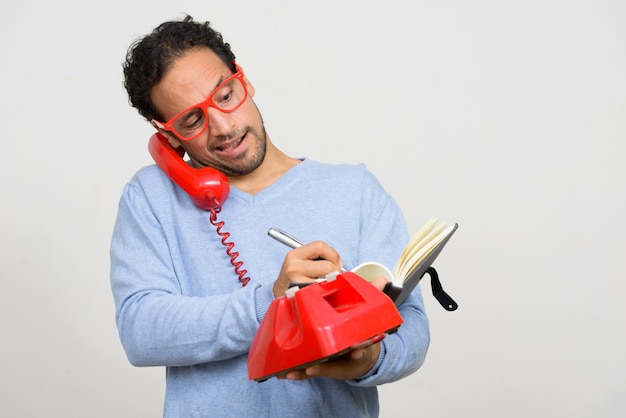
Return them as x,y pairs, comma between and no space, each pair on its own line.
442,297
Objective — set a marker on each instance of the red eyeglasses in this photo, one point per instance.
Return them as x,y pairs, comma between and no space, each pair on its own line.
193,121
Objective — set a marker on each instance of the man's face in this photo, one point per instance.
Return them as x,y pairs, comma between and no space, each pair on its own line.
234,143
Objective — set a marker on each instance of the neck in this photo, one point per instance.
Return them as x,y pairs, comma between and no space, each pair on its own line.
275,164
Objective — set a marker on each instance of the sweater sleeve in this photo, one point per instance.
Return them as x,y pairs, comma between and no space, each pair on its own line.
157,323
384,235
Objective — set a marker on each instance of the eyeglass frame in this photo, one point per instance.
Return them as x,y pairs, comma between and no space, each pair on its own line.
204,106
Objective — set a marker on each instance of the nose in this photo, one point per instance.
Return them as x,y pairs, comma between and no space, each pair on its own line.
220,123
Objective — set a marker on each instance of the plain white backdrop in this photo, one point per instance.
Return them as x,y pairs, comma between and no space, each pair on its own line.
508,117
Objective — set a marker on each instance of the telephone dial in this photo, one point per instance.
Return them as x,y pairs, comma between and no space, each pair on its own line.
207,187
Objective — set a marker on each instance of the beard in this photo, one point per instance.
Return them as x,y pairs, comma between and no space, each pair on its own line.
250,160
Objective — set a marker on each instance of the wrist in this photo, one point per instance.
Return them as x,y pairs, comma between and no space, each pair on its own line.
378,362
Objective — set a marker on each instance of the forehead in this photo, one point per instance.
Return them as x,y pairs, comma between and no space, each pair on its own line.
189,80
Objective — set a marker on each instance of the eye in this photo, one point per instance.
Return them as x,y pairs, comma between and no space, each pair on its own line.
190,122
224,95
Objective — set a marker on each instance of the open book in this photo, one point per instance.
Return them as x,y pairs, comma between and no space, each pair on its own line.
415,261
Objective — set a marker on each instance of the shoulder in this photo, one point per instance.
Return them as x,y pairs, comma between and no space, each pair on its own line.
349,186
348,174
149,179
148,175
149,184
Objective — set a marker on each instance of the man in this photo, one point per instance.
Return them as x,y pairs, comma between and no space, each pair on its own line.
179,304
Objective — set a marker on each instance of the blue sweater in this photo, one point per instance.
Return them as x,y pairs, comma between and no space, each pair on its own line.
179,303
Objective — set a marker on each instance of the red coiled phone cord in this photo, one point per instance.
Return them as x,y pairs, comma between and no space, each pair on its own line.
228,244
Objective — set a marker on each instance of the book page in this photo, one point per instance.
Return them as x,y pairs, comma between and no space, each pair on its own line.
371,270
419,247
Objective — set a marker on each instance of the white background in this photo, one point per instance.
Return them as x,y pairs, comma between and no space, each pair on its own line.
508,117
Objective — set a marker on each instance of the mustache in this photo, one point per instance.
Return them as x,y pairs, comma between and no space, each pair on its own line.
219,140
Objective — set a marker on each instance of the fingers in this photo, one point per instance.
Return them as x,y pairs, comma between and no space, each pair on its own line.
313,260
293,375
306,264
352,365
379,283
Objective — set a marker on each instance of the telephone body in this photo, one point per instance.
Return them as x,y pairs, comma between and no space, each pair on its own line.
207,187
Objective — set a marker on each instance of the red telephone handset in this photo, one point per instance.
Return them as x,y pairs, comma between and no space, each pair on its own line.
207,187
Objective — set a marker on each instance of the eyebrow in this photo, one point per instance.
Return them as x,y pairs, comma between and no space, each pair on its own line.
221,80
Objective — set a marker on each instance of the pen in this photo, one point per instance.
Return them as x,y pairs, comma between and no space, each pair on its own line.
284,238
287,239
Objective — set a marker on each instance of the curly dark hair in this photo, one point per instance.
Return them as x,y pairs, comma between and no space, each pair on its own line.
149,58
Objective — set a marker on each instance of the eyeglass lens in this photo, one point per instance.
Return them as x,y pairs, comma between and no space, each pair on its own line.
225,98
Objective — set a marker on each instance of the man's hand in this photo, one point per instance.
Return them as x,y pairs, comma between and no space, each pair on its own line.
352,365
306,264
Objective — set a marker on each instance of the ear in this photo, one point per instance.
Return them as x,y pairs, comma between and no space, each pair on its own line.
171,138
